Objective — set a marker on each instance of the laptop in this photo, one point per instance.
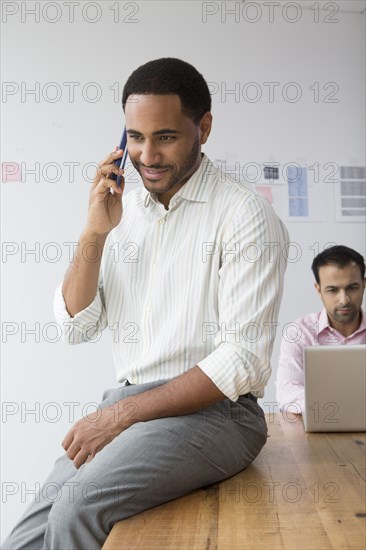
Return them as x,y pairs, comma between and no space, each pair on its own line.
335,388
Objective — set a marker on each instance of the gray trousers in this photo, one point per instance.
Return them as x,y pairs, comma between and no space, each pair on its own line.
148,464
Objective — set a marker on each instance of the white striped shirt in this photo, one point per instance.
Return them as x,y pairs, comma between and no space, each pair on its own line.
197,284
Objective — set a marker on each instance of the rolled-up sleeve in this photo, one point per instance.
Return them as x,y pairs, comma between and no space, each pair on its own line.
86,325
253,263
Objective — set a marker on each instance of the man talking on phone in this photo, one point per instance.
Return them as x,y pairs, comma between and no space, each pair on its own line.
205,278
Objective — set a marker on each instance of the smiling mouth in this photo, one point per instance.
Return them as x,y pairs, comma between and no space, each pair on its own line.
153,173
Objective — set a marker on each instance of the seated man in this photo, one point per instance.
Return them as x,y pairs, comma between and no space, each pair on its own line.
185,414
339,273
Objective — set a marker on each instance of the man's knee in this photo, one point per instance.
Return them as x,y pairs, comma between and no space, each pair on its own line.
74,501
86,501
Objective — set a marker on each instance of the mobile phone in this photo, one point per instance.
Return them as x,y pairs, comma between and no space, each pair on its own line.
120,162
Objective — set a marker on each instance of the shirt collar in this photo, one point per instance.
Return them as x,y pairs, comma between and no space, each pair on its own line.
324,321
197,188
363,322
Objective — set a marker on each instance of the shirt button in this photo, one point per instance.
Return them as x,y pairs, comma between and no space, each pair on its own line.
162,221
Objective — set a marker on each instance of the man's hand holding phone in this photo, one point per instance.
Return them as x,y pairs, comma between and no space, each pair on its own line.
105,200
105,212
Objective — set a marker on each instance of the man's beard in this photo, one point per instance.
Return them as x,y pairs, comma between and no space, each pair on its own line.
348,318
183,174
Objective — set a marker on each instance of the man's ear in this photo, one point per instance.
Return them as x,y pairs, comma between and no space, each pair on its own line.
317,288
205,126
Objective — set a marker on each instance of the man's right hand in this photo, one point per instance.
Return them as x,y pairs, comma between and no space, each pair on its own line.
105,207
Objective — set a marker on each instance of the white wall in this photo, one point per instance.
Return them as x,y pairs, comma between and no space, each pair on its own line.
37,373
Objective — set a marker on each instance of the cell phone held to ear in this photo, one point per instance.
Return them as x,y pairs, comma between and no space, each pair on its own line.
120,162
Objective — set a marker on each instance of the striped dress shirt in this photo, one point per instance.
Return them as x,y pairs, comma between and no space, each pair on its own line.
197,284
312,330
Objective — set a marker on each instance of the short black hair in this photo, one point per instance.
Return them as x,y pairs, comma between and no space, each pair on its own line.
171,76
338,255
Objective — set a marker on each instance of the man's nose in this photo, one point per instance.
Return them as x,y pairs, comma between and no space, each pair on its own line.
344,297
150,154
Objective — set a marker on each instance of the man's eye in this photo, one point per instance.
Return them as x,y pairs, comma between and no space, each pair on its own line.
333,290
166,138
136,137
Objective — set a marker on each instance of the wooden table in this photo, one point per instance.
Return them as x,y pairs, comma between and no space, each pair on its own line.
304,491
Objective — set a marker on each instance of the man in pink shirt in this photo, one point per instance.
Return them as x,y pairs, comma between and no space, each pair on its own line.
339,272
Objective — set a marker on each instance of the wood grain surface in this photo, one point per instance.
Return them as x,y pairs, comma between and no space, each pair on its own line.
304,491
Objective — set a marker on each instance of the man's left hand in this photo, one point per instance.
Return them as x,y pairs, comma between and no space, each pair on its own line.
90,434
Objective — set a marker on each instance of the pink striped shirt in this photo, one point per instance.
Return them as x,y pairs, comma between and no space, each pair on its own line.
312,330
